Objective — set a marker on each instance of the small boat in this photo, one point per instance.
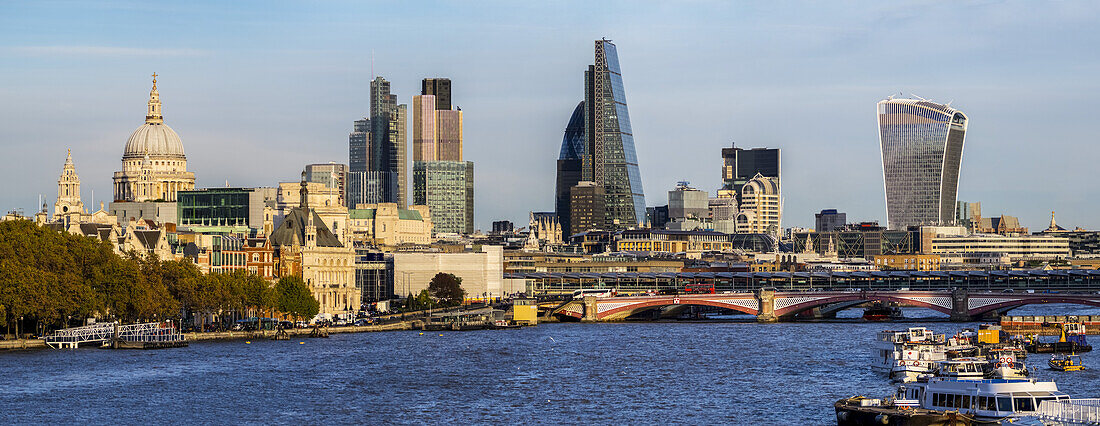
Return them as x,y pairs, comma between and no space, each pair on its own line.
1062,362
879,311
1072,340
860,411
961,368
904,355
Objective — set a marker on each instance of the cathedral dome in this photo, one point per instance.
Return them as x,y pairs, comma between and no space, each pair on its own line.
154,138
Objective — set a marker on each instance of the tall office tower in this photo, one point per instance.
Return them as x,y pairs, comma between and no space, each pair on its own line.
830,220
586,202
922,145
388,142
447,188
441,178
569,166
740,165
441,89
364,184
331,175
610,160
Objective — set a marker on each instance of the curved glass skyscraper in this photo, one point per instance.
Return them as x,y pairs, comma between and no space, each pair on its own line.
922,145
610,159
569,165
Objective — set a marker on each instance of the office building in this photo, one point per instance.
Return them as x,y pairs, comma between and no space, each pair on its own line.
740,165
447,188
226,208
442,179
570,160
440,88
922,143
331,175
830,220
686,202
610,159
377,169
760,210
586,207
387,224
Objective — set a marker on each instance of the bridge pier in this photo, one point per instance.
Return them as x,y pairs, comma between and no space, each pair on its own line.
590,309
960,306
766,301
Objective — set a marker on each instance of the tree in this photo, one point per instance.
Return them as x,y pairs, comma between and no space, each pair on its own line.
447,288
293,297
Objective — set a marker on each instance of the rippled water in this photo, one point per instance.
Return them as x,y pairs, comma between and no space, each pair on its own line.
733,373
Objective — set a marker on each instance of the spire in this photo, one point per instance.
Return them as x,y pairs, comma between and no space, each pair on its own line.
153,116
304,193
69,157
1053,224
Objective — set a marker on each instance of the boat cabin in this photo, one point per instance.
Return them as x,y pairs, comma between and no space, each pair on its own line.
984,399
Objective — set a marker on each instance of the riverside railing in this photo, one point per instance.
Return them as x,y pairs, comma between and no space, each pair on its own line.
1071,411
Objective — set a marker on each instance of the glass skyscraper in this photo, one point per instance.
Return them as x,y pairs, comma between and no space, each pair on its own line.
569,165
922,145
377,169
610,159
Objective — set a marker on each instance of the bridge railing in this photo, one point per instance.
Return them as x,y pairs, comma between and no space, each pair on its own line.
1022,280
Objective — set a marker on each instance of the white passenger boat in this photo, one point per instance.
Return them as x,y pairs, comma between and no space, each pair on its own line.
986,400
904,355
961,368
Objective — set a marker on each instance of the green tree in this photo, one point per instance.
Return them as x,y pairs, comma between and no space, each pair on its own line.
447,289
293,297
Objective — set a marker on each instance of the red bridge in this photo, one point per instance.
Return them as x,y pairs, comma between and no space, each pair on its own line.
770,306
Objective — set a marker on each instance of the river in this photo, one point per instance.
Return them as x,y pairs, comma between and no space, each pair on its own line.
669,372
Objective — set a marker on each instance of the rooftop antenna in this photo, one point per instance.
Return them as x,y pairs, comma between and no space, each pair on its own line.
918,97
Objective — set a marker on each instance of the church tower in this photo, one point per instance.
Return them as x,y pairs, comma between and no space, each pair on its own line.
68,191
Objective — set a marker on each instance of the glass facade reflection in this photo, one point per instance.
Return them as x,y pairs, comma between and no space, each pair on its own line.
569,164
921,144
610,159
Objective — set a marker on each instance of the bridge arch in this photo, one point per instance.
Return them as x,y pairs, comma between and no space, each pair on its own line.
1013,303
935,301
628,309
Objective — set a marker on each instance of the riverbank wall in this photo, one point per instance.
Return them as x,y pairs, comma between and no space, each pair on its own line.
19,344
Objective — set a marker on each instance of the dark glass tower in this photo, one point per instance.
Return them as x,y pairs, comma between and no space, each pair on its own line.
922,145
740,165
569,165
440,88
388,144
610,159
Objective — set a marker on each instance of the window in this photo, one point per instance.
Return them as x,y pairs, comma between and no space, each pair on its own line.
1023,404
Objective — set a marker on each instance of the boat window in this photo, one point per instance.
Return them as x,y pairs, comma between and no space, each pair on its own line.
1039,401
936,400
1023,404
957,401
966,401
1004,403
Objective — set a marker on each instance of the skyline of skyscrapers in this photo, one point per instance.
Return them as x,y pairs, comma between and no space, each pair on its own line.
602,152
921,143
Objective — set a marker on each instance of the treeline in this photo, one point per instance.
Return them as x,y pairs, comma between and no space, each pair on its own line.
52,278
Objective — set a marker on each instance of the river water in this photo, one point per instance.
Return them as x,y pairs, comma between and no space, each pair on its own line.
678,372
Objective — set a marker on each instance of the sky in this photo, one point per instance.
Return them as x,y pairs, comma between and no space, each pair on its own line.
258,89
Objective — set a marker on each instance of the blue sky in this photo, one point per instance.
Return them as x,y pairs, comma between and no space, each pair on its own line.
259,89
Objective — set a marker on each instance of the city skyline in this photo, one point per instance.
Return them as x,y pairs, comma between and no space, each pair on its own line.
276,123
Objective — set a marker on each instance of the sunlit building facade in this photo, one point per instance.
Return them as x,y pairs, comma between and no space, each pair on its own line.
922,145
610,159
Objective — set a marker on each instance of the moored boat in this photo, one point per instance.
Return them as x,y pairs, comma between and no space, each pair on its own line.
1062,362
860,411
904,355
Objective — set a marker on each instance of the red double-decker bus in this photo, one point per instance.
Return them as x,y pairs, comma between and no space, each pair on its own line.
699,288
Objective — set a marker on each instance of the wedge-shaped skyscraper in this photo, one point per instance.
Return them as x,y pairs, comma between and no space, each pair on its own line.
922,144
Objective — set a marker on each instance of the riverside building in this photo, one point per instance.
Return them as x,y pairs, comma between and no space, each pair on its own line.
922,143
